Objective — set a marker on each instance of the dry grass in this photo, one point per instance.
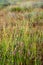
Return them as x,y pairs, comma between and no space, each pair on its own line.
21,37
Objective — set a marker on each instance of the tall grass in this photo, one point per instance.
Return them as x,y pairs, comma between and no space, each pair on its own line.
22,44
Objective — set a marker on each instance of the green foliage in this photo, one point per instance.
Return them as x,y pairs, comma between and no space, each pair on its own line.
16,9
